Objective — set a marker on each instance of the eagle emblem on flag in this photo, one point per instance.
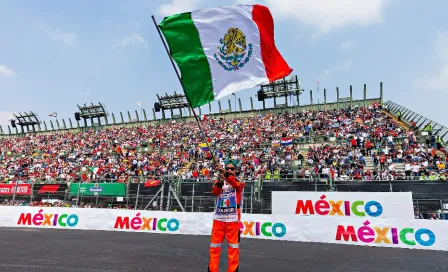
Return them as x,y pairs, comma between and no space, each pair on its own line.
234,51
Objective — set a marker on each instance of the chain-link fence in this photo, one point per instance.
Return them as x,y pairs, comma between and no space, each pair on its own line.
198,198
24,193
426,208
429,196
174,194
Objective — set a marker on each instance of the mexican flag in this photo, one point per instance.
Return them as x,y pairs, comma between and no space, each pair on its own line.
151,183
223,50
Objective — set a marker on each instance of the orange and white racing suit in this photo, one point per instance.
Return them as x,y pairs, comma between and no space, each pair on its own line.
226,223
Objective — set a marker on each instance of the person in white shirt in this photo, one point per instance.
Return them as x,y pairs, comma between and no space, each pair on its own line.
415,169
307,173
407,170
389,161
325,172
390,139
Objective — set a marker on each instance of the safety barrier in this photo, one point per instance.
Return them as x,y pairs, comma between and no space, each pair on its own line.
397,233
429,197
357,204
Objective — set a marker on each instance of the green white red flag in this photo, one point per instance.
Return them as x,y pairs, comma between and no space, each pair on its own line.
223,50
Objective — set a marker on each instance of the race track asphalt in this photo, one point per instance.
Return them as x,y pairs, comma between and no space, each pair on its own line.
44,250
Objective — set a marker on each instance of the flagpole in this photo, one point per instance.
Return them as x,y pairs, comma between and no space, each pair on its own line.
318,99
180,81
88,90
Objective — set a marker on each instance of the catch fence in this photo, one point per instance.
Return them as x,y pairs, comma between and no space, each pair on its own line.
174,194
428,196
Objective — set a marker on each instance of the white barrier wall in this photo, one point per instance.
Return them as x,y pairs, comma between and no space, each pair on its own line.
400,233
344,204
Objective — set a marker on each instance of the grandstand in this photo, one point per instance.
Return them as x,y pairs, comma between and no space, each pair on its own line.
344,145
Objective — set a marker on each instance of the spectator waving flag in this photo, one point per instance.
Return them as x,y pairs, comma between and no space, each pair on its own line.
223,50
204,146
286,140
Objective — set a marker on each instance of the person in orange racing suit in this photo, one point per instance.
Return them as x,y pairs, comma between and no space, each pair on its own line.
226,219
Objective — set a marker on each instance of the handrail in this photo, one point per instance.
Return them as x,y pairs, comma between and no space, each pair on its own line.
410,116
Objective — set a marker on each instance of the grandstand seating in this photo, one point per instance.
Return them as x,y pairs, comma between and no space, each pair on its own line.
358,144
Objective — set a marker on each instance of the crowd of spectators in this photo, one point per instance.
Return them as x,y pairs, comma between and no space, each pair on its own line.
402,160
173,149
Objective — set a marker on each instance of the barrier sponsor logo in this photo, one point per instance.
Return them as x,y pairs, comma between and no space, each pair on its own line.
48,219
146,223
49,189
100,189
10,189
362,231
267,229
386,235
324,207
344,204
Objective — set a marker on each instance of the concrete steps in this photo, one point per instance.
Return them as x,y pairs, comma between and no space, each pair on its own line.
369,163
399,167
305,158
185,168
401,123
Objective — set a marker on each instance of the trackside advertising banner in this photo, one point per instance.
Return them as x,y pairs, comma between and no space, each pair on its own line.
9,189
344,204
381,232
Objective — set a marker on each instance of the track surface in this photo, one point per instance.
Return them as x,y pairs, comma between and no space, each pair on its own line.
100,251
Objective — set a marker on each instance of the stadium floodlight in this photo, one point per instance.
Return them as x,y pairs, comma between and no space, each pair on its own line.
26,119
170,102
280,88
91,111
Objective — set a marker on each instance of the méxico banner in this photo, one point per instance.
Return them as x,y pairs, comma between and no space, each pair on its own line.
344,204
378,232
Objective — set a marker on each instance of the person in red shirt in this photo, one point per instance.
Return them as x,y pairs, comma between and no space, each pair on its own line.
382,162
226,219
195,174
369,147
353,142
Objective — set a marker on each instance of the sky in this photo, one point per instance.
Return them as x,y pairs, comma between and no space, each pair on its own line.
52,52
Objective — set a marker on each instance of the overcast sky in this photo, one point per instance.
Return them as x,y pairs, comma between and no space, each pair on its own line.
49,49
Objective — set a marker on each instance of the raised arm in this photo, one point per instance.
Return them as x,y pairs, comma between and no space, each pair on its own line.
234,182
217,188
